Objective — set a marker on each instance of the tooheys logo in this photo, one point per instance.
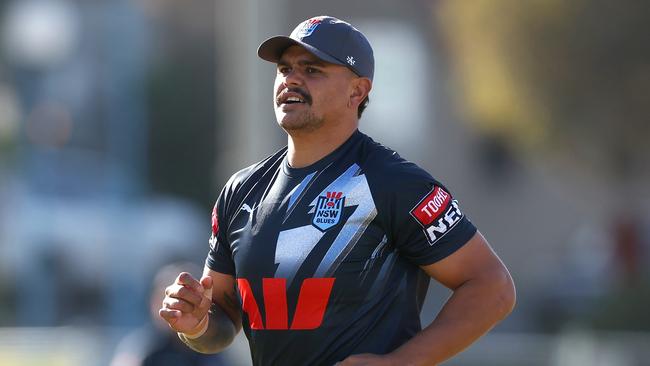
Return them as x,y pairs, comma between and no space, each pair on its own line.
437,213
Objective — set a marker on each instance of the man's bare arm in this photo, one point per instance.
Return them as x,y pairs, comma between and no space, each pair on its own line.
483,295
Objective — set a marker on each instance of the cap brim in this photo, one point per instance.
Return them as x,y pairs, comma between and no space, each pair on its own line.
272,49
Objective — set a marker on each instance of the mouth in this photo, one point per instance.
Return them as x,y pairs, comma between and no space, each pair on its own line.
291,98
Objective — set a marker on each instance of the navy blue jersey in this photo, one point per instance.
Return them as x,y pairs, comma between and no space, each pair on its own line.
327,257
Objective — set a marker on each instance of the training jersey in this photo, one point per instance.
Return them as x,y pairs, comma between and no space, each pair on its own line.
326,257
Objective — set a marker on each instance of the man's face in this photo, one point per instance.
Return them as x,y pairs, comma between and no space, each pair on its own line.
309,92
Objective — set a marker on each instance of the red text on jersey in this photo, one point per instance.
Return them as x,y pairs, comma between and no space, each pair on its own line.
431,206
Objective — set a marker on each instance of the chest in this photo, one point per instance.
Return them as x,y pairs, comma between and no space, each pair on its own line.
304,228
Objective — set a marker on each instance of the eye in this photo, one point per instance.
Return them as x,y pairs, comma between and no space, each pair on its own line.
283,70
312,70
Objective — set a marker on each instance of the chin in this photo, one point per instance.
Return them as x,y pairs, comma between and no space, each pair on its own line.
286,122
306,122
300,126
289,126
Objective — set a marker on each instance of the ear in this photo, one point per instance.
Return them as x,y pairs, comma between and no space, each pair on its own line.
360,88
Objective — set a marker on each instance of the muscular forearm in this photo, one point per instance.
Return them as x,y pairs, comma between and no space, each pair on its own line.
219,335
473,309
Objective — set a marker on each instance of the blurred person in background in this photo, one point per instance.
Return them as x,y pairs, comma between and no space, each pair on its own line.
323,252
154,344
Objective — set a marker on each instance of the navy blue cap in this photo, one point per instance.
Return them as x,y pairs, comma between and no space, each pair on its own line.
329,39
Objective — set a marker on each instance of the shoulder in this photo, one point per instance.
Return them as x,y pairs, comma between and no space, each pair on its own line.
385,166
251,173
244,180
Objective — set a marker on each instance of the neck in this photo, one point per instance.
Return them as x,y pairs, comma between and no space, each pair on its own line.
306,148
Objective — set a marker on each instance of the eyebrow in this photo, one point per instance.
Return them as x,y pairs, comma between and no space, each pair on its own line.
314,62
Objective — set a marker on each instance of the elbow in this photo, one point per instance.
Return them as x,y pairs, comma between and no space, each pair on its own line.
506,294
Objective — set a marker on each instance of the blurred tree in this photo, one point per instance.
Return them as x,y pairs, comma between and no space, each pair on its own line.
568,82
570,78
181,100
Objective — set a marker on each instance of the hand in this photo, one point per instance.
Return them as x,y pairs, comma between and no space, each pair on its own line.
186,303
367,359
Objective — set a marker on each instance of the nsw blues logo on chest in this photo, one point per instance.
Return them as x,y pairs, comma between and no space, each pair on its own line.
328,210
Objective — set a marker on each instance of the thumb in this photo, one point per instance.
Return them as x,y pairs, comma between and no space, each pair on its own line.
206,282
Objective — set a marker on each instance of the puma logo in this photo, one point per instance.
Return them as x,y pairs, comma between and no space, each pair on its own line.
247,208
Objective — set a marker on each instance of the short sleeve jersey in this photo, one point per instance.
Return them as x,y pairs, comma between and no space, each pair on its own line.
326,258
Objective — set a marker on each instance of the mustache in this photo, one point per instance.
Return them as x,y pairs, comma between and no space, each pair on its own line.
305,96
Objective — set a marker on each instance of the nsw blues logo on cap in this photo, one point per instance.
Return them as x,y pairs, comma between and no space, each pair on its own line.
308,27
328,38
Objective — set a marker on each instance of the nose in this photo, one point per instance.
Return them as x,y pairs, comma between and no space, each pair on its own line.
288,80
293,78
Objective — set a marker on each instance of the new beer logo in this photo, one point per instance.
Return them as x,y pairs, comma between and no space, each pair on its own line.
437,213
329,209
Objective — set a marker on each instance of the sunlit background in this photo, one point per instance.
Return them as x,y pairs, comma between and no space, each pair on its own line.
120,120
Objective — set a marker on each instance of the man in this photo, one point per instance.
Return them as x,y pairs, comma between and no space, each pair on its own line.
324,250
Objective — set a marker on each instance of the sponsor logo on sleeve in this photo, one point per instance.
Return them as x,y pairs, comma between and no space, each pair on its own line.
215,228
215,221
437,213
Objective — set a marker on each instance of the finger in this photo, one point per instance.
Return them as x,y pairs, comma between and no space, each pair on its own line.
186,279
185,293
177,304
171,316
172,290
